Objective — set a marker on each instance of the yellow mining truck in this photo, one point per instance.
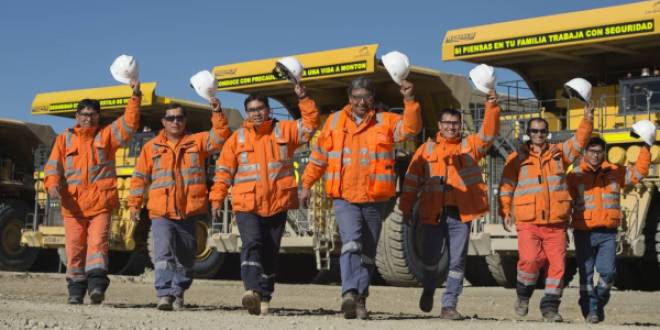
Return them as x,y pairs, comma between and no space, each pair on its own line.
326,77
129,246
18,140
617,49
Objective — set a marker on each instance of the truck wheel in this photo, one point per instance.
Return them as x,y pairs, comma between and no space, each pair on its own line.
13,256
399,257
489,270
502,269
208,260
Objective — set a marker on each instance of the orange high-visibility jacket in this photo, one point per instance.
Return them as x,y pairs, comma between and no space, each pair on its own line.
82,162
533,186
258,162
596,194
175,180
358,160
446,172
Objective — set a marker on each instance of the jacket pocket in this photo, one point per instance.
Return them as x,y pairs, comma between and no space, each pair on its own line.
382,179
524,208
243,196
560,206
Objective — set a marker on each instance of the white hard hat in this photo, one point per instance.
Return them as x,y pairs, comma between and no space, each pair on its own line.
124,68
645,130
483,77
397,65
578,87
290,68
204,84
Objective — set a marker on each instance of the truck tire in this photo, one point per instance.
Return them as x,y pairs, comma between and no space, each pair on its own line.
399,258
13,256
502,269
208,260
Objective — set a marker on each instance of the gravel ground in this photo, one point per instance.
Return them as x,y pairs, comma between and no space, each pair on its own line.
37,301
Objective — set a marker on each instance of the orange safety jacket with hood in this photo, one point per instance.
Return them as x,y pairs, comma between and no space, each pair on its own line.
596,193
257,162
82,162
533,186
357,160
446,172
174,180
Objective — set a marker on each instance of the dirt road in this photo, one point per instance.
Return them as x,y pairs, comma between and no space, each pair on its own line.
37,301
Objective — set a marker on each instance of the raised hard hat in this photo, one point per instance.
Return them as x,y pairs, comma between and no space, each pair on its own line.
397,65
288,68
645,130
578,87
204,84
483,77
124,69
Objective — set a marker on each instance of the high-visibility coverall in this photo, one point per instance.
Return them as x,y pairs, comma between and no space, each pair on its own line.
596,216
357,162
257,162
174,181
533,191
82,163
446,176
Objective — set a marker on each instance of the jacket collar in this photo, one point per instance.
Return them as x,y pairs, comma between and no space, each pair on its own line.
368,117
86,132
265,128
442,140
161,139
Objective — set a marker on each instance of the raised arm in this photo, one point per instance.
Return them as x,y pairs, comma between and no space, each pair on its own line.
572,148
410,123
214,139
483,140
124,127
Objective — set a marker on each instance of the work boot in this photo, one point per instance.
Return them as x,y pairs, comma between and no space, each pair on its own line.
75,300
164,303
552,316
521,306
426,301
96,296
450,313
264,307
252,302
348,305
178,303
361,308
592,318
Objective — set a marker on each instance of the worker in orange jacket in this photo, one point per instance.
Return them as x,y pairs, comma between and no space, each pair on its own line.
446,176
81,173
595,186
533,191
355,154
257,162
171,174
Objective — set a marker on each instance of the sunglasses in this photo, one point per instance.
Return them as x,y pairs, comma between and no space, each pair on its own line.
88,114
365,98
260,108
538,131
179,118
450,123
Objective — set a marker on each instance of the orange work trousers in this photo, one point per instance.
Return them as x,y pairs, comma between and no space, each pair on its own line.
538,246
86,244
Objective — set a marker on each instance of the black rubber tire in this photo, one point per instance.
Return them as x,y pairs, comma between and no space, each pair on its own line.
13,256
209,260
488,271
502,269
399,260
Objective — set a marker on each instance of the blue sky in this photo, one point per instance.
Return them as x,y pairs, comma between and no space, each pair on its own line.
60,45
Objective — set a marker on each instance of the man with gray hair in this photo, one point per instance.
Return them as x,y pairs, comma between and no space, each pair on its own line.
355,153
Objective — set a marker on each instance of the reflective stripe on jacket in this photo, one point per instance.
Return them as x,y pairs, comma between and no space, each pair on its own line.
596,194
445,170
533,186
258,164
175,180
357,161
83,163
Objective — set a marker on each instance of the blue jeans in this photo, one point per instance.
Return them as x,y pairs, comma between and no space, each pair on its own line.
175,245
457,234
261,237
596,248
359,229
